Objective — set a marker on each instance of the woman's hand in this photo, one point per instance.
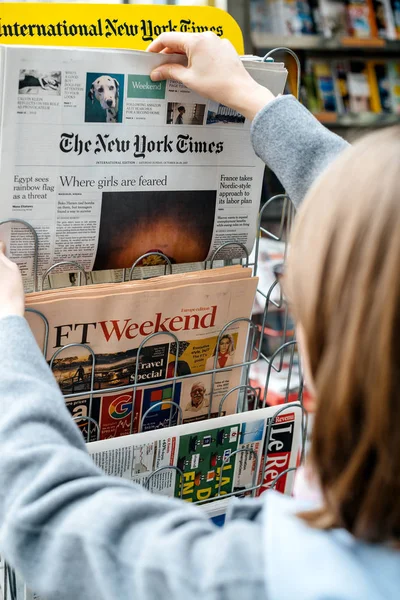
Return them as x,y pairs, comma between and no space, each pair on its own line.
214,70
11,288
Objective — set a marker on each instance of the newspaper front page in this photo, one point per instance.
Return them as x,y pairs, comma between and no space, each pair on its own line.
201,461
107,165
138,341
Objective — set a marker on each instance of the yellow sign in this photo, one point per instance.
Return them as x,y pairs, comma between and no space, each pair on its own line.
128,26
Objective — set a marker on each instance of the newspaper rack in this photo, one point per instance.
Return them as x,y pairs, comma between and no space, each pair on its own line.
249,397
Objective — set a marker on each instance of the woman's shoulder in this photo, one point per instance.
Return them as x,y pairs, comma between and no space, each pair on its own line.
305,563
319,561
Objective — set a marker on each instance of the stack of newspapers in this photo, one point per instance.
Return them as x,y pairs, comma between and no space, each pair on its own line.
106,170
162,359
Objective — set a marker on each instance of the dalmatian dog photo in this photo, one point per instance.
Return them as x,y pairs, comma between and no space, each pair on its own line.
105,90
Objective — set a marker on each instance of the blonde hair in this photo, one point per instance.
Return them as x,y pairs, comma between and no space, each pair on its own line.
343,281
231,348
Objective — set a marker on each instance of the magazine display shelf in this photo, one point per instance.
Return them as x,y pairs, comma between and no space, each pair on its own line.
249,397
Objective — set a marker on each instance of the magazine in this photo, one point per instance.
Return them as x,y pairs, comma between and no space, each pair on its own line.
202,461
107,165
113,348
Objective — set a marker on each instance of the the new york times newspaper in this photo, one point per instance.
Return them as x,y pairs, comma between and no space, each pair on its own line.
107,165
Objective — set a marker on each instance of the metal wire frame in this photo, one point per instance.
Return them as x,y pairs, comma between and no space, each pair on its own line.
168,263
254,349
226,245
136,383
46,328
283,474
161,403
160,470
287,216
132,387
217,370
261,229
253,354
255,393
163,334
226,460
279,352
271,423
91,422
285,328
91,392
297,61
65,263
159,382
286,219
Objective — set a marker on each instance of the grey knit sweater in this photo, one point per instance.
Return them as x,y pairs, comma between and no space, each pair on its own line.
74,533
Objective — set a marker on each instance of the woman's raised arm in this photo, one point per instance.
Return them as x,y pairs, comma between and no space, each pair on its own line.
284,134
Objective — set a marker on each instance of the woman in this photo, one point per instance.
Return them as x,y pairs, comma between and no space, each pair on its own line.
73,532
226,350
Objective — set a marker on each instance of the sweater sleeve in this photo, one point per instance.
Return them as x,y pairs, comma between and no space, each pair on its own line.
293,144
73,532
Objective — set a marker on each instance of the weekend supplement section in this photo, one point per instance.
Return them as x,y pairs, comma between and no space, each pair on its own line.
158,339
107,165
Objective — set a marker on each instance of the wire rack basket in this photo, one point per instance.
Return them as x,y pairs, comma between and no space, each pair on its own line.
271,351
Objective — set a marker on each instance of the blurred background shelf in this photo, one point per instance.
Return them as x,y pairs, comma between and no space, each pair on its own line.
349,53
357,120
266,41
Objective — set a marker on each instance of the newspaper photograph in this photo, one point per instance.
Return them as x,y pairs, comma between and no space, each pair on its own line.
108,165
198,462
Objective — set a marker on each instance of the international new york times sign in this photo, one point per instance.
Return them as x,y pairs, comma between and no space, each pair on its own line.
145,29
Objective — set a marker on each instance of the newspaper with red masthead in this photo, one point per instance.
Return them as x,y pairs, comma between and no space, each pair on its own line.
132,356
